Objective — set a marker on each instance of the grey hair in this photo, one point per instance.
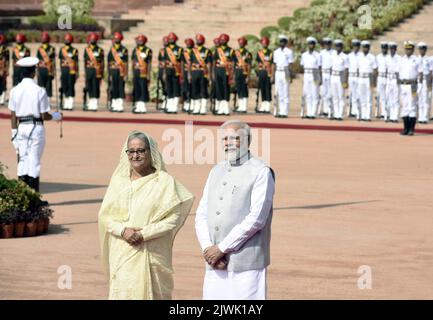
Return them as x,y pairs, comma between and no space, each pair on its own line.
139,135
240,125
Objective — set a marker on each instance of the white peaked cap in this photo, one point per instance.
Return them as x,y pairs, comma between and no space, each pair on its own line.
28,62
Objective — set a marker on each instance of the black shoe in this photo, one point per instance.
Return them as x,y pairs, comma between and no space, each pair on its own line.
34,183
406,126
24,179
412,123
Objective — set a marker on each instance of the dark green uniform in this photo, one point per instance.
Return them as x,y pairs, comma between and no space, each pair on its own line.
161,66
186,85
173,70
20,51
243,59
94,70
46,55
264,62
223,72
118,72
4,67
140,72
200,79
68,57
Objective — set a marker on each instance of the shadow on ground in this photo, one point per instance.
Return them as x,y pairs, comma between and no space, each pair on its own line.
52,187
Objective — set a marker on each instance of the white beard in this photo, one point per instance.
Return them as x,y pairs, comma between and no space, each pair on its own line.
235,154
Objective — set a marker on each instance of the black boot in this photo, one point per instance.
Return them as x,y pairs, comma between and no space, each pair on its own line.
24,179
34,183
406,126
412,123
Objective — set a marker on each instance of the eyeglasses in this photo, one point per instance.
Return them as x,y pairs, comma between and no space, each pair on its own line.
231,138
139,152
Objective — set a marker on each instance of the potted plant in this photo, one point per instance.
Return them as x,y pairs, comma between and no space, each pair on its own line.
7,219
19,224
45,213
31,224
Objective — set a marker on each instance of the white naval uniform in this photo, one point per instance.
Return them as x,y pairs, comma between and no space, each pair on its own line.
353,83
424,95
311,62
409,70
392,88
381,84
282,59
241,285
339,64
325,88
366,66
29,99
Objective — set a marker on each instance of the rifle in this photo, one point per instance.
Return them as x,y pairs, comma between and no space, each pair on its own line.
158,83
377,106
189,96
58,106
109,89
257,98
350,104
84,98
303,106
212,98
275,104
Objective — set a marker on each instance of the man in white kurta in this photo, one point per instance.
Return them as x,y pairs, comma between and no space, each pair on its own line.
233,221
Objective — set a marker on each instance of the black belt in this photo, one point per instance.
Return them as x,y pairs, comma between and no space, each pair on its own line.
30,119
413,81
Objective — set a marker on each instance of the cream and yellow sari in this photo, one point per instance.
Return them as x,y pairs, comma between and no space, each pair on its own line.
159,205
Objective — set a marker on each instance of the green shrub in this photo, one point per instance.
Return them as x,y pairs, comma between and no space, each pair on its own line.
284,22
19,202
267,31
251,38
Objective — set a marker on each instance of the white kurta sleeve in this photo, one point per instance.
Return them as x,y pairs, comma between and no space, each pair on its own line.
201,226
261,203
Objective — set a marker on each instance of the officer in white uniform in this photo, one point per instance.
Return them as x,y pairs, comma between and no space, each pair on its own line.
353,78
367,69
339,79
311,62
409,72
29,108
325,89
392,87
424,87
381,81
283,59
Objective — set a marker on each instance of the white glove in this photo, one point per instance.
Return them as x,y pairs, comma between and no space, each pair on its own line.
57,116
15,141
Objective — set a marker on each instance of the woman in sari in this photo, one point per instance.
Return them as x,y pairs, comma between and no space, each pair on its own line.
143,209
